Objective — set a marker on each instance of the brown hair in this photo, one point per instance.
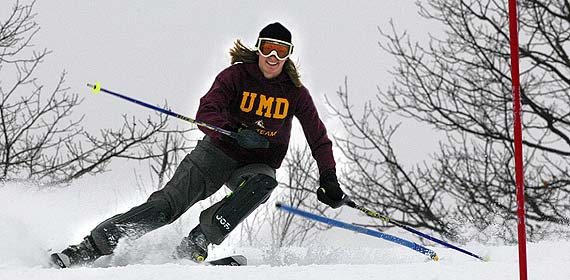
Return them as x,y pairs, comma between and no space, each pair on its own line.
241,53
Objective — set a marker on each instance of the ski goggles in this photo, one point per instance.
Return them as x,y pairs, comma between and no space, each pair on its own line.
268,47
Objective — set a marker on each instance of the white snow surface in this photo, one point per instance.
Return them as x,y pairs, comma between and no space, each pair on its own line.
35,222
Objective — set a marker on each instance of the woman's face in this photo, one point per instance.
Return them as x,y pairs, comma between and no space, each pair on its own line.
270,66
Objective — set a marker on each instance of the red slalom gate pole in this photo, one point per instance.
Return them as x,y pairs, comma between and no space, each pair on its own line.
515,75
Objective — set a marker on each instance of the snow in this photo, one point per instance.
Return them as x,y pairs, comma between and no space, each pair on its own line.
35,220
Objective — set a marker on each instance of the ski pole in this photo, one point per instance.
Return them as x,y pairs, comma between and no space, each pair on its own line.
97,88
414,246
374,214
246,138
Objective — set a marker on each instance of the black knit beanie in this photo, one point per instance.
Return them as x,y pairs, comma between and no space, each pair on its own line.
276,31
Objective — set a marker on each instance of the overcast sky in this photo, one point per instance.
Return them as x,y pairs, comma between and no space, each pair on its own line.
171,50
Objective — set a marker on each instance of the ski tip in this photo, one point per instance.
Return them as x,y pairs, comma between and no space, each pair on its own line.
435,258
236,260
278,204
59,260
95,88
241,260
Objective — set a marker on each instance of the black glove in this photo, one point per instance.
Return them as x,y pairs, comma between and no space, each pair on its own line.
250,139
329,191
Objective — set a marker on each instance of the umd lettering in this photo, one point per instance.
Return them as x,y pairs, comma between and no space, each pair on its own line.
264,105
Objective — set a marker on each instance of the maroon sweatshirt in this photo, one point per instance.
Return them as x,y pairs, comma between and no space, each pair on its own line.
242,97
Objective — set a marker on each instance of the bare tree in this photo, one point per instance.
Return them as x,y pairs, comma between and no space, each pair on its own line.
460,85
251,227
41,137
376,178
298,191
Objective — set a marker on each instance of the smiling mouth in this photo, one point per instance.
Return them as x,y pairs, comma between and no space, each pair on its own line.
272,63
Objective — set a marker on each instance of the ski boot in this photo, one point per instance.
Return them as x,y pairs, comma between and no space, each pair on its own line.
194,246
83,253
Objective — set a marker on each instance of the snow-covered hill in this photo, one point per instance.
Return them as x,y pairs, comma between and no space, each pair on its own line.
33,221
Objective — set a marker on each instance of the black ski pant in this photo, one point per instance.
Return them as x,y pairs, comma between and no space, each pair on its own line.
202,172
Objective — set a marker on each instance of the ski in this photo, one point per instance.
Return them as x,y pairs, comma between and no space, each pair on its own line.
235,260
61,261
